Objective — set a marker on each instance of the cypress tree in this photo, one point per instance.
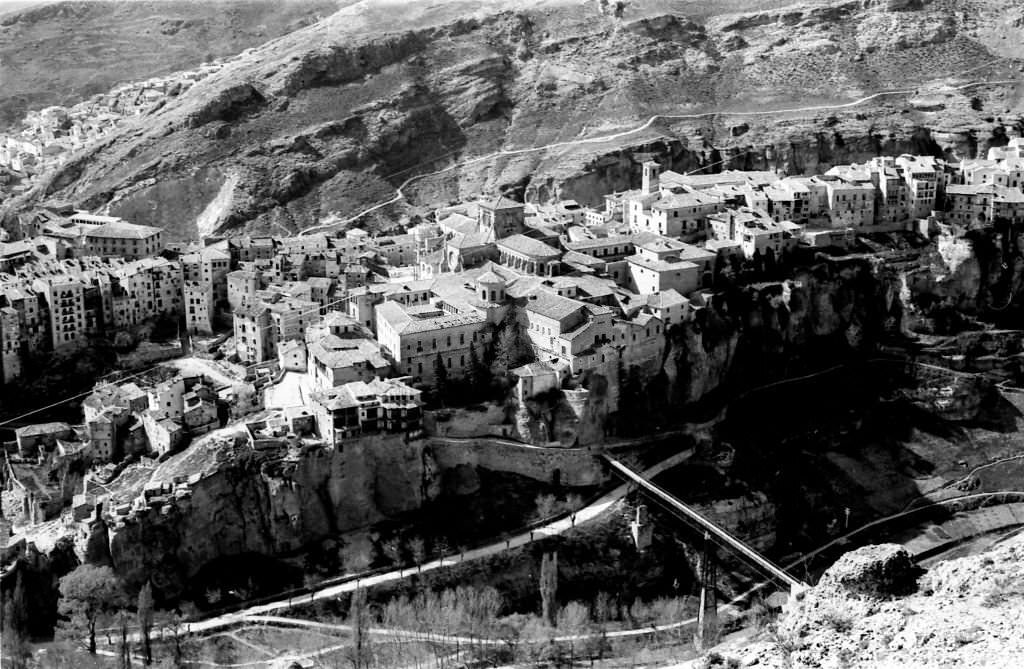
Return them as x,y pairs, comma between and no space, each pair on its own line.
145,614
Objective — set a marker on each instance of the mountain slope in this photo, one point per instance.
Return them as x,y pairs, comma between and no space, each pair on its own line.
330,118
62,52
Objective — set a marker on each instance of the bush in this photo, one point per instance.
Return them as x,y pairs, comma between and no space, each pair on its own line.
837,619
715,660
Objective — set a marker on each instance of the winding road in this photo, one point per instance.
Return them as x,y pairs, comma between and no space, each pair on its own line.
400,194
592,511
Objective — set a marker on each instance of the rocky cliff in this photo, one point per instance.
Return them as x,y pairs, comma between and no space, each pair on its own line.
330,118
268,503
836,308
872,608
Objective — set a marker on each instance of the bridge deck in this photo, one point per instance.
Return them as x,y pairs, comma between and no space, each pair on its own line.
724,537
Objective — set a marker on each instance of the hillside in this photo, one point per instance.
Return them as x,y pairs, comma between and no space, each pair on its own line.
331,118
61,52
873,608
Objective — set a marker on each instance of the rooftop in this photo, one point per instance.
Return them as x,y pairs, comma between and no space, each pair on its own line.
551,305
119,229
523,245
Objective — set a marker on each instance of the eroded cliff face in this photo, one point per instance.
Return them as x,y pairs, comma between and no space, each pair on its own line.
768,331
267,504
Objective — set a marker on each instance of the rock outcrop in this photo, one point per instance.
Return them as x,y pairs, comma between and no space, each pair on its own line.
871,610
875,572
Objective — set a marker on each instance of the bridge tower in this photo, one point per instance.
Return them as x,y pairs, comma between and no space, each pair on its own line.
641,529
707,614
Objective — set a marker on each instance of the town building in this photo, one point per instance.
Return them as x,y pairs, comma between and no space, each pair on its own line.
984,204
500,217
63,299
334,361
360,408
529,256
122,239
418,338
199,311
662,264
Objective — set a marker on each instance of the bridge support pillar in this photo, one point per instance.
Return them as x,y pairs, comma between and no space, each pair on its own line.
706,635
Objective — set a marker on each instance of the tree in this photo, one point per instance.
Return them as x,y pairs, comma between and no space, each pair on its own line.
574,618
124,649
358,618
479,374
547,506
88,594
512,347
549,588
418,550
144,607
15,648
440,378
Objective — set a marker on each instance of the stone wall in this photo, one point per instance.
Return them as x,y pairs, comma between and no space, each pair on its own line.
575,467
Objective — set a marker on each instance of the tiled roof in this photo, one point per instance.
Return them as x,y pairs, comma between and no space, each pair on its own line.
552,306
523,245
665,298
123,230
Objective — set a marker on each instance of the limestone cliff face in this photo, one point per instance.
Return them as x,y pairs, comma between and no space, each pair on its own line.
762,333
269,505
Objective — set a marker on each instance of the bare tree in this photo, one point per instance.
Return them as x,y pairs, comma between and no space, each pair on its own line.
358,618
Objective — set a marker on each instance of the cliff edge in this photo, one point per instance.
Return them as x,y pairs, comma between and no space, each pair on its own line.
874,608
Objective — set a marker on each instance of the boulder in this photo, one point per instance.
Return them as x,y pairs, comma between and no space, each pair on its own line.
878,572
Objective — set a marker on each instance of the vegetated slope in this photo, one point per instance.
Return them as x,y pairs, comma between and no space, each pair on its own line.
328,119
62,52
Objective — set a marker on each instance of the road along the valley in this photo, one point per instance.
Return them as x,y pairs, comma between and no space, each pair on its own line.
592,511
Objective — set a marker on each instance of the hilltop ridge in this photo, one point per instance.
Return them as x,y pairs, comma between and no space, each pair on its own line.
61,52
328,119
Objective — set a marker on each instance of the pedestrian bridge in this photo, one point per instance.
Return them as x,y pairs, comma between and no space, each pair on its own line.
716,533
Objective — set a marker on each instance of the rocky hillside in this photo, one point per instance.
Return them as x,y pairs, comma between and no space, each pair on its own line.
62,52
872,608
330,118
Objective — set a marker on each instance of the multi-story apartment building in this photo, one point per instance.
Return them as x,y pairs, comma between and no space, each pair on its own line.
925,178
198,305
850,203
358,408
209,265
10,344
242,288
984,203
254,337
64,301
